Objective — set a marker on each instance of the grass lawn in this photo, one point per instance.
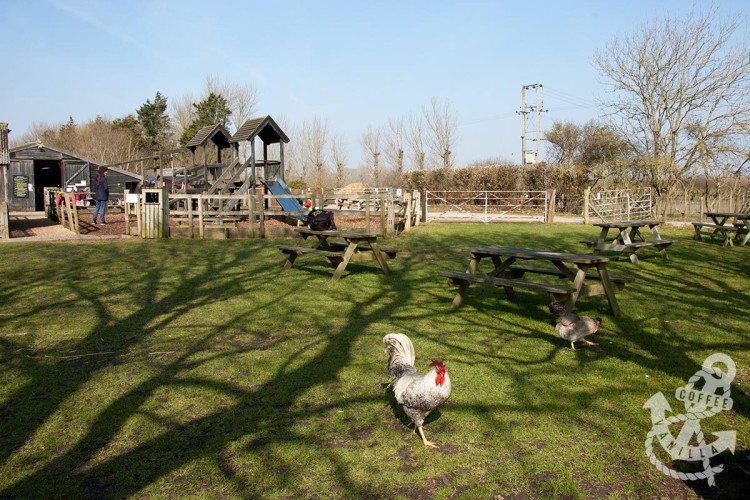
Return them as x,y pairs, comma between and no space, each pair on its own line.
200,369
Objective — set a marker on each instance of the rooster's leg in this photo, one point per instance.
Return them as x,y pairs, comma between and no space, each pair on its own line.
572,345
589,342
424,440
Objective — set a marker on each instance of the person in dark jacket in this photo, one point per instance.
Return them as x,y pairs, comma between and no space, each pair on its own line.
101,194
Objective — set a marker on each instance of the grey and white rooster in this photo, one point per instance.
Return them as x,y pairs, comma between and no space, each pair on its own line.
572,327
417,394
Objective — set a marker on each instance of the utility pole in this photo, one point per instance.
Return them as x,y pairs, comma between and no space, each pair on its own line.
525,111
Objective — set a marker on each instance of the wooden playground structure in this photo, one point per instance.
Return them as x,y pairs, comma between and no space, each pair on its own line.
227,197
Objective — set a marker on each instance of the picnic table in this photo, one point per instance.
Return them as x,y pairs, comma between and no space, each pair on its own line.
572,270
628,238
339,253
738,231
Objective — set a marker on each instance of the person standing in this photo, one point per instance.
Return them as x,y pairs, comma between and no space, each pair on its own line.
101,194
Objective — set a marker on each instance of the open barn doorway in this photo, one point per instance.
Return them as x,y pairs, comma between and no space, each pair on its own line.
47,173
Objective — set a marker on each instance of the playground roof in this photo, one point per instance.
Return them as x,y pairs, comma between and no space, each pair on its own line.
263,127
216,133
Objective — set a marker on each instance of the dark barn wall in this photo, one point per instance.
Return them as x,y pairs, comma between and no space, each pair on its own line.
42,166
20,185
119,181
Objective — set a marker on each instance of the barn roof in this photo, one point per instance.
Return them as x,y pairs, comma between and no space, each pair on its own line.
31,149
216,133
264,127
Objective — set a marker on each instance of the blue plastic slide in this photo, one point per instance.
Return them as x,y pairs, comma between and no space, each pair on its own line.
279,187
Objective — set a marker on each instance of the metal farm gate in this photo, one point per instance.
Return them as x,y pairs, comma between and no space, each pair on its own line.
486,206
619,204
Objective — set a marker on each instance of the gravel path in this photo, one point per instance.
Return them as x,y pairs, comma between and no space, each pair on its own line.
35,226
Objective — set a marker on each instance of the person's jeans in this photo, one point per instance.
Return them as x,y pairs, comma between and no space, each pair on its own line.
101,207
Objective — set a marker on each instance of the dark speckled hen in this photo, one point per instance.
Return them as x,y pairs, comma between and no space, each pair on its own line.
572,327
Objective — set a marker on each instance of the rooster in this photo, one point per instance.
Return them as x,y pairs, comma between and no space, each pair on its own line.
417,394
572,327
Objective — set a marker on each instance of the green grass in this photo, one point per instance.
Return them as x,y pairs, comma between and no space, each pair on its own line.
197,368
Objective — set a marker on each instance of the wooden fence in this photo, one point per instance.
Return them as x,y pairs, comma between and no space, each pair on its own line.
4,222
245,216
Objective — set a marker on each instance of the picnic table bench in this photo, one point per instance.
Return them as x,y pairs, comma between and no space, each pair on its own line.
628,238
571,267
737,232
339,254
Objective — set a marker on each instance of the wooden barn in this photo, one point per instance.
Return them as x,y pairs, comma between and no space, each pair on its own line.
35,166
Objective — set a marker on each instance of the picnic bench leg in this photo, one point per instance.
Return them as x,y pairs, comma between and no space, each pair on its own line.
601,240
473,264
578,284
608,289
290,261
379,256
509,292
459,298
347,257
500,267
563,299
627,241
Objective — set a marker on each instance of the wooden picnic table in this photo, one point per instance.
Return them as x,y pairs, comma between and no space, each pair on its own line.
738,231
628,238
339,253
569,267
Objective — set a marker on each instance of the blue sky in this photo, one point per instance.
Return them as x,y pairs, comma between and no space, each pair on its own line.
350,63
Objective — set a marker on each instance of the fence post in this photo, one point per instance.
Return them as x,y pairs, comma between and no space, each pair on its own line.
125,194
627,204
251,212
200,216
586,194
550,215
189,201
384,208
4,221
407,214
262,218
367,212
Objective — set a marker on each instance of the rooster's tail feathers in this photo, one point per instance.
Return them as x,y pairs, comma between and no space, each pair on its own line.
556,308
400,353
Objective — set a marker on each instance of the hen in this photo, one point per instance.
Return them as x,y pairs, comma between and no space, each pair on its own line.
572,327
417,394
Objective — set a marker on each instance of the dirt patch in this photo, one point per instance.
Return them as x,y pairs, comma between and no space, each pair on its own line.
35,226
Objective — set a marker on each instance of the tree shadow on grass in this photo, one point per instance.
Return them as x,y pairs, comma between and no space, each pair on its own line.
266,413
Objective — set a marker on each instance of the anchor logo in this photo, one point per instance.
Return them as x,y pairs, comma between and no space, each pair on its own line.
699,404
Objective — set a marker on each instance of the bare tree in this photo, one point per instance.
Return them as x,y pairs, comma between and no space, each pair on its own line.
293,151
563,142
98,140
394,145
315,150
680,93
442,125
339,158
182,114
415,139
242,99
371,145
